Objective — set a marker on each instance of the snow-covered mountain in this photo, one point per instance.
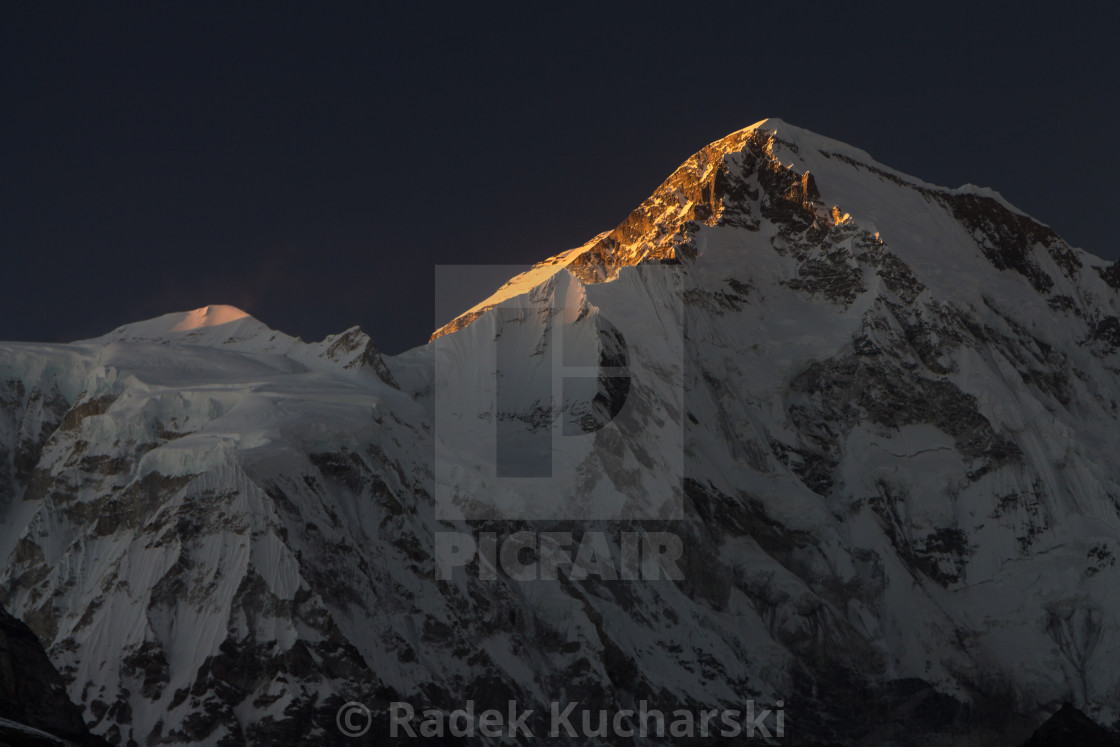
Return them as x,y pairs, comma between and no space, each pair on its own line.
881,416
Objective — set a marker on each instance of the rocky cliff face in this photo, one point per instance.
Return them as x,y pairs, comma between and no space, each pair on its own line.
880,415
34,706
1070,726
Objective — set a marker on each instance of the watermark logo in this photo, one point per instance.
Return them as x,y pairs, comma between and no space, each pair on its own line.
353,719
569,720
583,390
545,556
548,407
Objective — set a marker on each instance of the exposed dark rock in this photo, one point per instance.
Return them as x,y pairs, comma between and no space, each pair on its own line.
829,398
358,352
32,691
896,274
1064,303
1006,238
86,409
1069,727
1110,274
1108,330
941,553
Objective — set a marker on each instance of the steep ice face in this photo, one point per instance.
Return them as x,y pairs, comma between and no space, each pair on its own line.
145,477
891,464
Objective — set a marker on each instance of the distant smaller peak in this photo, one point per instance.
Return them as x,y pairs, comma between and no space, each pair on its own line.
213,324
208,316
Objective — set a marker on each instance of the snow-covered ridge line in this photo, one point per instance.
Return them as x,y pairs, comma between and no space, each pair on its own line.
696,191
827,146
26,733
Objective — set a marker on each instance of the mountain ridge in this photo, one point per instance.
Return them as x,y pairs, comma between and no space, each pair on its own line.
698,190
896,410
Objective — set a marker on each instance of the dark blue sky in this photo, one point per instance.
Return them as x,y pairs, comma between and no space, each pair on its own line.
312,162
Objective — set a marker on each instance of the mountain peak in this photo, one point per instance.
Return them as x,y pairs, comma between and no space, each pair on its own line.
229,328
717,185
215,325
774,176
179,324
208,316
